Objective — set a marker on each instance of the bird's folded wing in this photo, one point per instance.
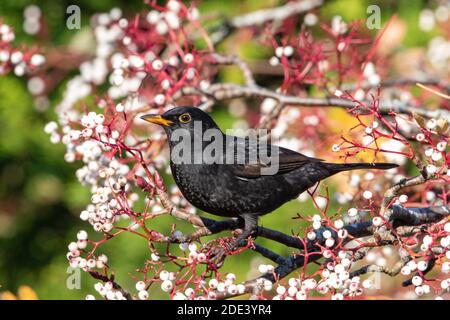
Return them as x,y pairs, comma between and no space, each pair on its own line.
287,161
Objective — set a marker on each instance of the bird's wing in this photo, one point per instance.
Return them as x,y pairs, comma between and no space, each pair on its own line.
253,165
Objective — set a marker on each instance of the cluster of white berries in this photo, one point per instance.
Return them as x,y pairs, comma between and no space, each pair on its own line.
420,287
51,128
6,33
435,154
266,268
168,20
430,241
438,54
131,103
370,74
11,58
412,266
444,242
142,292
317,222
75,258
295,289
108,31
104,175
167,279
446,265
110,180
445,284
211,287
281,52
228,285
329,239
94,71
194,255
369,129
107,291
164,21
129,72
338,26
429,18
427,242
167,285
32,16
327,234
134,67
122,85
76,89
336,278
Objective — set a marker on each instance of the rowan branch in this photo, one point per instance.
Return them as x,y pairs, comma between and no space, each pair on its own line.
104,278
398,82
400,217
259,17
226,91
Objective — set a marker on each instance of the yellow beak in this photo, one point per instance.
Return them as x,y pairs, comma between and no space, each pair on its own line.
157,119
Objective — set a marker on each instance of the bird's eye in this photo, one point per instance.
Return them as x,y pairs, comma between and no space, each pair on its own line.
185,118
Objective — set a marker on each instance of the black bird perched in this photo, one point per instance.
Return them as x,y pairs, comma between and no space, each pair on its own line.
238,189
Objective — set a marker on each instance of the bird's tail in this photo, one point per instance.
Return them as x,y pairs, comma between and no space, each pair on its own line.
338,167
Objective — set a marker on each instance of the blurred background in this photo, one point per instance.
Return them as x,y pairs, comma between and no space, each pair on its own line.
40,198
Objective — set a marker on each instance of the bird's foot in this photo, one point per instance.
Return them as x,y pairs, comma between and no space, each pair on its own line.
218,254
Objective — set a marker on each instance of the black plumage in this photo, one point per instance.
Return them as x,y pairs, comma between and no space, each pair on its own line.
240,190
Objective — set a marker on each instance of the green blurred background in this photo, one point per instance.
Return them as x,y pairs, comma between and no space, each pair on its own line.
40,199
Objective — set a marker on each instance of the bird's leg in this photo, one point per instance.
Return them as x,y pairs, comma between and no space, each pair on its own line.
250,225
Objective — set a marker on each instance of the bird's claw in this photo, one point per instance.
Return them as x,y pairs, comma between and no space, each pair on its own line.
217,256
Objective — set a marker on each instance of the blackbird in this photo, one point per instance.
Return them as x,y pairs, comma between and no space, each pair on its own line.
239,189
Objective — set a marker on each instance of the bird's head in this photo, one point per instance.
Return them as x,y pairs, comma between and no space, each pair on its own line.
182,118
